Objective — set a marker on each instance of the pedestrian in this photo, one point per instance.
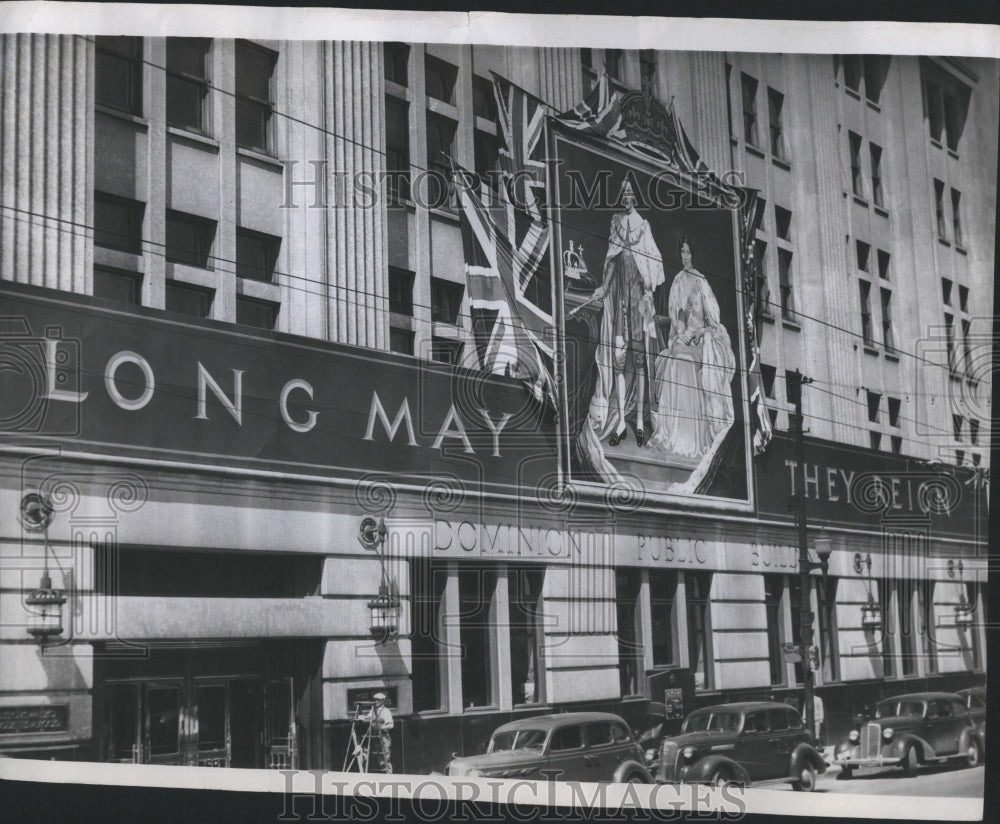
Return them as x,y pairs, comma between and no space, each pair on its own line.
381,721
818,718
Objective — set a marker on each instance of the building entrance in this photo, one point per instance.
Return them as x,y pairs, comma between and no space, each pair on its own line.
223,709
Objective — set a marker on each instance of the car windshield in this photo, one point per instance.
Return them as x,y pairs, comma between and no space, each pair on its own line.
707,721
901,709
517,740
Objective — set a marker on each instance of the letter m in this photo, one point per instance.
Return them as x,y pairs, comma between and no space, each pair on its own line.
378,411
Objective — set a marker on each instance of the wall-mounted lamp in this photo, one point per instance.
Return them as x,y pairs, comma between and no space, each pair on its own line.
384,606
871,613
45,603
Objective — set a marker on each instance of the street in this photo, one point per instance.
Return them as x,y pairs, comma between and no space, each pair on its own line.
948,781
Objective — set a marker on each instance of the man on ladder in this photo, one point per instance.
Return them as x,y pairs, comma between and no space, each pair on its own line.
380,719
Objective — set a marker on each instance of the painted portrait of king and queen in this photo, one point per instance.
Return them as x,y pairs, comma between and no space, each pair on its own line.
662,391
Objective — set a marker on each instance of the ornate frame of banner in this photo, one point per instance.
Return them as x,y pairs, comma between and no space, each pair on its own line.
665,345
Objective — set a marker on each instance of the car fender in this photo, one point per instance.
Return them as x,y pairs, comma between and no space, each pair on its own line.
705,768
627,768
902,742
806,753
971,733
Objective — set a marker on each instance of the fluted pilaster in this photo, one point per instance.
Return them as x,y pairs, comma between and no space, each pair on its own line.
711,124
46,166
560,77
356,256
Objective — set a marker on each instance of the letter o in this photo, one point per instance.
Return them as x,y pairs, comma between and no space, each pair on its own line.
109,381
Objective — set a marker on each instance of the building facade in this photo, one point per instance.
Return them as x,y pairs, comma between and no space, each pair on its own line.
235,291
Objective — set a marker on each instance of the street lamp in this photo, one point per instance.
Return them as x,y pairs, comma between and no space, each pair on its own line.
823,546
45,603
384,606
871,613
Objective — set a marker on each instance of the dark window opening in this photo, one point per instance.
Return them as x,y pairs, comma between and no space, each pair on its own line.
875,440
866,312
888,338
630,652
775,104
853,71
883,264
188,300
857,183
484,101
118,73
773,586
785,284
749,93
446,350
476,589
189,240
256,255
397,58
956,217
400,291
878,196
894,404
946,285
189,61
446,301
117,285
397,149
427,642
254,96
400,341
697,589
662,595
942,223
864,254
783,223
874,399
118,223
526,634
440,153
613,63
829,647
261,314
440,79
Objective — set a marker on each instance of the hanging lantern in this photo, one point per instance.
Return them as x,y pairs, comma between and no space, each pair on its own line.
45,605
871,616
963,614
384,614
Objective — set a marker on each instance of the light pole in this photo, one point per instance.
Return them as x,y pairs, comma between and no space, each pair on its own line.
806,564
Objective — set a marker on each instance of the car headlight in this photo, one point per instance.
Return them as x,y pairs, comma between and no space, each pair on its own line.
474,773
854,737
887,733
689,752
650,755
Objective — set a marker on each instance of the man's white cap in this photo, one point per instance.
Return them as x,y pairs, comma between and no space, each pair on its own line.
379,696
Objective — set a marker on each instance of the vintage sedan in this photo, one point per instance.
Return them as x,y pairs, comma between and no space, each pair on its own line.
742,743
572,746
910,730
975,700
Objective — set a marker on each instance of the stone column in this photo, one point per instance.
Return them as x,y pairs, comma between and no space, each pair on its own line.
46,162
560,78
355,144
710,130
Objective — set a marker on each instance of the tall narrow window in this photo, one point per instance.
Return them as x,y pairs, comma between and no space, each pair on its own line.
942,223
927,635
427,642
397,149
785,284
878,195
883,264
749,89
446,301
935,110
864,255
894,404
956,217
613,63
118,223
973,431
400,291
440,151
630,652
189,61
697,588
397,58
857,182
525,588
852,71
647,69
773,587
875,440
256,255
440,78
662,592
775,105
949,332
118,73
907,627
254,96
896,443
874,71
956,425
946,285
117,285
476,591
889,628
963,298
829,648
782,223
587,65
874,401
189,240
763,294
188,300
888,338
261,314
484,99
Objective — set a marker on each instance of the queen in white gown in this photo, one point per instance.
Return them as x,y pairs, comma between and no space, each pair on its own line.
693,374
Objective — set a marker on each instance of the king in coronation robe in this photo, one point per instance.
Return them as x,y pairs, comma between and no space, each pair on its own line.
633,270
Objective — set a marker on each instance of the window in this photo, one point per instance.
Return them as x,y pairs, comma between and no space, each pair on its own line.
874,71
888,629
526,634
259,313
647,69
773,589
897,444
440,149
118,223
864,254
476,590
256,255
782,223
400,291
956,107
189,240
767,374
254,96
613,63
852,71
949,330
883,264
875,440
935,111
188,300
397,148
888,339
973,431
119,286
828,645
795,610
874,399
907,628
427,642
446,301
857,184
963,298
878,196
189,61
487,157
440,78
749,87
785,284
942,224
763,295
587,65
775,102
697,589
956,426
662,593
946,291
947,105
484,101
397,58
959,457
446,350
793,390
567,738
956,217
630,667
894,411
925,593
118,73
401,341
599,734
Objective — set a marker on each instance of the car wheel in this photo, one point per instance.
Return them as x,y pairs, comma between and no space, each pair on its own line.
972,755
722,778
806,781
846,773
911,761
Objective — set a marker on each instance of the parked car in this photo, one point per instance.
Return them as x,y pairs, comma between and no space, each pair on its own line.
910,730
742,743
572,746
975,701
